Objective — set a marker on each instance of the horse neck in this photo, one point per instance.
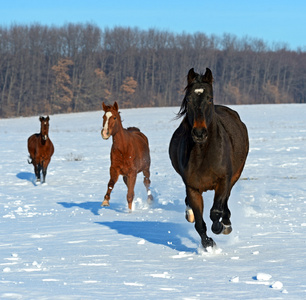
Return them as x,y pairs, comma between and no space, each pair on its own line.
43,141
119,135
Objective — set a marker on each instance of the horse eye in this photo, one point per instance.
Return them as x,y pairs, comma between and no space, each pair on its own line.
115,118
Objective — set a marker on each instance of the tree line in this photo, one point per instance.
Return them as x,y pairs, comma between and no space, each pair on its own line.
73,68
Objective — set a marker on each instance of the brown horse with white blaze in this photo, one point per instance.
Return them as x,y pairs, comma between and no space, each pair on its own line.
41,149
129,155
208,150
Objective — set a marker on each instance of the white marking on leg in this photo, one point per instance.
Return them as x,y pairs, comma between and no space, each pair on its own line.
150,197
189,214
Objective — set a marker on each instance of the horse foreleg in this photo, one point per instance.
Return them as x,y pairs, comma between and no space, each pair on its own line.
113,179
226,219
131,181
37,169
147,182
196,203
220,213
189,215
44,169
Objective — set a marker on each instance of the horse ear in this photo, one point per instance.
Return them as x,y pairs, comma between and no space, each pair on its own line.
191,75
208,76
116,106
40,118
104,106
47,118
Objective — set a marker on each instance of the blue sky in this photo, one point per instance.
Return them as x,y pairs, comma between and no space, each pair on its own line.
273,21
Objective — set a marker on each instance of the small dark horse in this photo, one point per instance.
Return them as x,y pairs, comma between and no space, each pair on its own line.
208,150
41,149
130,154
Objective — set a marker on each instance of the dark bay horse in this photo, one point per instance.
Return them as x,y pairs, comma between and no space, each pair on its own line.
41,149
130,154
208,150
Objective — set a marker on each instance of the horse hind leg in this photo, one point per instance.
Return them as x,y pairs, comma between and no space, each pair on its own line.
147,183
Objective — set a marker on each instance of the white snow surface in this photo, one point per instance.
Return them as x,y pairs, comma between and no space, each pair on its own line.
57,242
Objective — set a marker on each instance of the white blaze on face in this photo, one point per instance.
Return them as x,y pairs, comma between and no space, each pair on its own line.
199,91
105,128
45,137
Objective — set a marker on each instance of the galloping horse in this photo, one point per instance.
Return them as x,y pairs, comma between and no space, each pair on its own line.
130,154
208,150
41,149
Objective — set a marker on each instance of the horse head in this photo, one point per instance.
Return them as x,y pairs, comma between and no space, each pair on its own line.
110,120
44,127
198,104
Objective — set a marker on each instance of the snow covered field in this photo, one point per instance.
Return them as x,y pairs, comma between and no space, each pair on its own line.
56,242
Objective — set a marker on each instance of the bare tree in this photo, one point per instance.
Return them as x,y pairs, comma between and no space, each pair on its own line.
75,67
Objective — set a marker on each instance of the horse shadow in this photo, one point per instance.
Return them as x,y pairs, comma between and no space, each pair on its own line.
167,234
27,176
92,206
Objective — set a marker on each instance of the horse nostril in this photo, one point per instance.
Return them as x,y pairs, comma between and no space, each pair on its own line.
105,134
199,133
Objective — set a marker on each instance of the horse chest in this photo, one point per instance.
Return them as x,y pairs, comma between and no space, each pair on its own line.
122,161
45,151
202,171
201,178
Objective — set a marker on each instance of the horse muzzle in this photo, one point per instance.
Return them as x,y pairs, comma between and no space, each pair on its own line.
105,134
44,137
199,135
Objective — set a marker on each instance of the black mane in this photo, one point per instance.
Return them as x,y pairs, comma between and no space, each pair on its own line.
199,78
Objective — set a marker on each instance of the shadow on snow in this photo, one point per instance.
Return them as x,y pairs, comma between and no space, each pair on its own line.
162,233
92,206
27,176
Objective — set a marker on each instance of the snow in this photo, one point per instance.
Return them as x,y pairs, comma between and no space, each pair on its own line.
57,242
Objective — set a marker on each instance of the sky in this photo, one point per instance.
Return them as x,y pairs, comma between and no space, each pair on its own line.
273,21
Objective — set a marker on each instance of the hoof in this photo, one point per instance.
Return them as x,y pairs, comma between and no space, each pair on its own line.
189,214
208,242
105,203
227,229
150,199
217,227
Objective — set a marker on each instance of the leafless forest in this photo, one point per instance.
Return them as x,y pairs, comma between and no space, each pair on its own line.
73,68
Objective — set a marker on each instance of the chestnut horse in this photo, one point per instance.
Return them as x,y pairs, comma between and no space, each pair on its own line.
129,155
41,149
208,150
